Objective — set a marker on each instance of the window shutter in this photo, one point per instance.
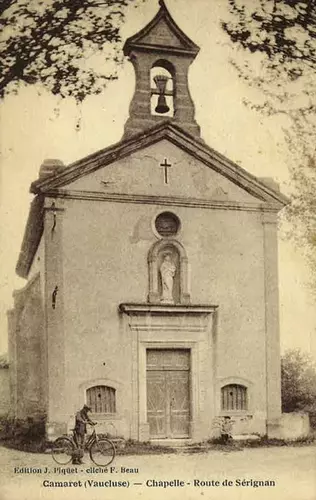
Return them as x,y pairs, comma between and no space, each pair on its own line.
101,399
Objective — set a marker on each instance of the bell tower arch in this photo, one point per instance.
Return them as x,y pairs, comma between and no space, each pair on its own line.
162,79
161,55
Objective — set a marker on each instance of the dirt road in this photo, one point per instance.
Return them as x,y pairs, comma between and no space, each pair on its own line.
264,473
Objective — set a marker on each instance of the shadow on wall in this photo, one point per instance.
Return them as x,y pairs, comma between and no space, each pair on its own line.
4,385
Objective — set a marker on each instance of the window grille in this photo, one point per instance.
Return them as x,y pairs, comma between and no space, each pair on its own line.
101,399
234,397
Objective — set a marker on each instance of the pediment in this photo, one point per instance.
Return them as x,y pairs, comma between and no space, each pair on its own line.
162,33
142,173
133,167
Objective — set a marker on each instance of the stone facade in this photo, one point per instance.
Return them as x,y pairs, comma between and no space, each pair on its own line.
26,352
94,322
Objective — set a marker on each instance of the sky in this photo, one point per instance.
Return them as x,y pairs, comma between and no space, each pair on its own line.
35,126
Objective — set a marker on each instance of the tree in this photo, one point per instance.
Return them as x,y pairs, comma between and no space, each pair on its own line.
281,36
298,382
283,30
55,43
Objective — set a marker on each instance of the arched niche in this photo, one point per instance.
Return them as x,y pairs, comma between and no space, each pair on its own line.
168,254
162,82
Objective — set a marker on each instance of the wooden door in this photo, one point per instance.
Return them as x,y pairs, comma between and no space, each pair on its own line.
168,392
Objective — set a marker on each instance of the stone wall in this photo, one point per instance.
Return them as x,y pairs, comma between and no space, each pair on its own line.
291,426
4,390
26,332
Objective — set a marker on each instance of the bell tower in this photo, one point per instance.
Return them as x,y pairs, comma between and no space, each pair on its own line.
161,55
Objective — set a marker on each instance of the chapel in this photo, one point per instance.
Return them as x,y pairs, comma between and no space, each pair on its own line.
152,280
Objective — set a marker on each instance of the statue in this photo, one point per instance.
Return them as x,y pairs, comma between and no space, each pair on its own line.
167,272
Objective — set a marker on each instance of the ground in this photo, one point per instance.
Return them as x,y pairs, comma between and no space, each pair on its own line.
292,469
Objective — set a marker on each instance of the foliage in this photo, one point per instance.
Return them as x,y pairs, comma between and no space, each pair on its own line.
57,43
265,442
23,434
279,37
302,211
283,30
298,382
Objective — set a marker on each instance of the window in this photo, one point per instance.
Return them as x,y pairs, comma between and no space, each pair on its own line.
234,397
167,224
101,399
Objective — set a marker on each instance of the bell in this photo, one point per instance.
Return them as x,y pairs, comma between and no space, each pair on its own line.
162,106
161,82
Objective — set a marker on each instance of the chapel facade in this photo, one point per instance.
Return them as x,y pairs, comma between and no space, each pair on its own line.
152,281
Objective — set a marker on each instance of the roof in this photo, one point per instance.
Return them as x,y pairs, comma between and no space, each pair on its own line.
32,237
195,147
174,40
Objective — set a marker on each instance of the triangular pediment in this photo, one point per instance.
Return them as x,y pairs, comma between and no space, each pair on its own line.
184,179
131,172
161,34
133,167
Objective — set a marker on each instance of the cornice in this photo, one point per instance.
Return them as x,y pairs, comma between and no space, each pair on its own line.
160,309
177,201
163,49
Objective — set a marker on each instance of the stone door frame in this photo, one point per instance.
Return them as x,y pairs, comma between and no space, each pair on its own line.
166,327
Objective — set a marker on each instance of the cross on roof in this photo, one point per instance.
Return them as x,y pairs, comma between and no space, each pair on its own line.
166,165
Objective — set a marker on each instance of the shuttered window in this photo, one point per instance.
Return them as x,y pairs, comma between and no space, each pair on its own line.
234,397
101,399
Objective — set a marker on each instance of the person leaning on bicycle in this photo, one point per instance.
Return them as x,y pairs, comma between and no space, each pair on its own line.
80,430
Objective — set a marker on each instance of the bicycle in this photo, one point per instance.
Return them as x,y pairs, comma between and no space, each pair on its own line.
101,449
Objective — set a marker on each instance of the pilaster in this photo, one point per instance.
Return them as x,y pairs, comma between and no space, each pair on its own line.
54,311
273,363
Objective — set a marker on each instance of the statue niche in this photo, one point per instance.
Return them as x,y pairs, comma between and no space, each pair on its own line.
167,264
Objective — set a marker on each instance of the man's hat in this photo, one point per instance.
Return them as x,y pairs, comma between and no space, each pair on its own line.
86,407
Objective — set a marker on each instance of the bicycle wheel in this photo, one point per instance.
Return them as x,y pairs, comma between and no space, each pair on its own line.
63,450
102,452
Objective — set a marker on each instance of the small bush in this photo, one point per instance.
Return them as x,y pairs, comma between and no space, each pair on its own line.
312,419
145,448
298,382
266,442
24,434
